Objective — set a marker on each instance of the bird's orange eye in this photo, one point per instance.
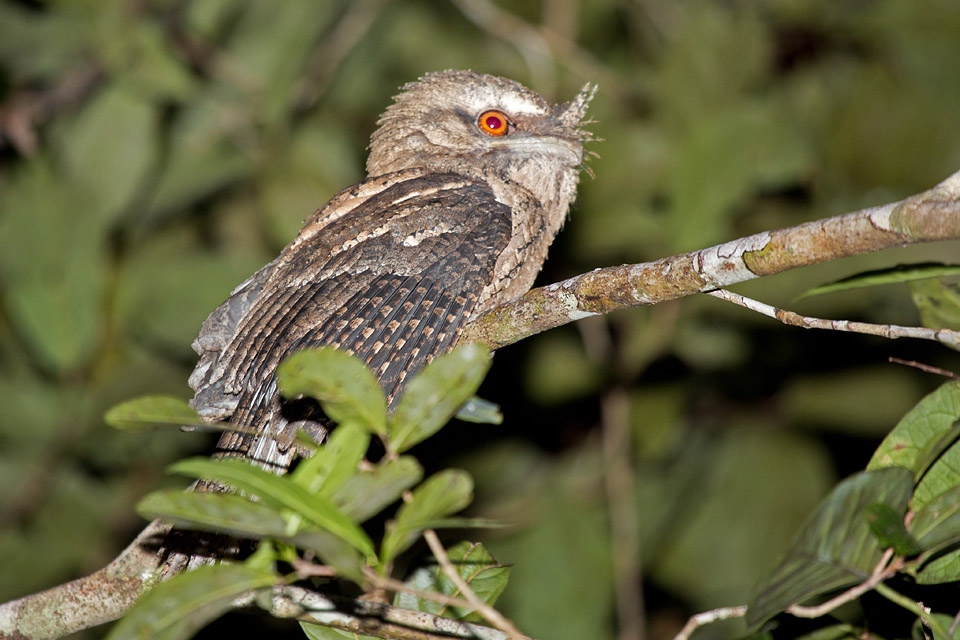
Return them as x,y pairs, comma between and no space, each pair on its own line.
493,123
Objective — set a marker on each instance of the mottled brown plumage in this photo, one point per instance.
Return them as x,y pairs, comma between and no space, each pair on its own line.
450,222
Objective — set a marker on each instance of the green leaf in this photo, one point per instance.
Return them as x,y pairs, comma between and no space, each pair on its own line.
228,513
47,45
941,458
435,394
835,632
919,431
723,155
922,631
836,548
60,323
151,412
887,525
785,480
180,606
893,275
241,517
145,58
486,577
937,523
201,160
480,411
272,66
345,387
334,461
938,302
941,569
367,493
54,266
110,147
279,492
440,495
935,450
925,441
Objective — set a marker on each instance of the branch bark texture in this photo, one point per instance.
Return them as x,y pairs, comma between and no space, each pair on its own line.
926,217
92,600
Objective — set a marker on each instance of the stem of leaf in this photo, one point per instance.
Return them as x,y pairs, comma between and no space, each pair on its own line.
910,605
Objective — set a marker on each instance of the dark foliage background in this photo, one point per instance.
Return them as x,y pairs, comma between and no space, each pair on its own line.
153,153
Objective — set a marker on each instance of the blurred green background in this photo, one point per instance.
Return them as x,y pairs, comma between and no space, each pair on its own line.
154,153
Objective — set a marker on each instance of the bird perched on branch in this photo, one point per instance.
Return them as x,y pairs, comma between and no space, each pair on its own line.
469,179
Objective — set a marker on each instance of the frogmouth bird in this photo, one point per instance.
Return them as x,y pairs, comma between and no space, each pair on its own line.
469,179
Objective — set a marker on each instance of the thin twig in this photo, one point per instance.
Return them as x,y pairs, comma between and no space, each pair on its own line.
307,569
490,614
947,337
369,618
881,572
397,586
709,617
925,367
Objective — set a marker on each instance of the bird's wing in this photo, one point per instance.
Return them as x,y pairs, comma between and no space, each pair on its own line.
392,281
215,334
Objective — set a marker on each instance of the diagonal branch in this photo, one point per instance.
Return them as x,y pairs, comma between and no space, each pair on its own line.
492,616
87,602
926,217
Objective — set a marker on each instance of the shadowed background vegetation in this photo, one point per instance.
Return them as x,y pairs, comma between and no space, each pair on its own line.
154,153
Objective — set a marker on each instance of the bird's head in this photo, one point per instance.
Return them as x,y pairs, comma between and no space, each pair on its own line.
483,126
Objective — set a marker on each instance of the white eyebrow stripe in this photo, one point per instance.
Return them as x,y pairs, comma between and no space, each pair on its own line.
513,104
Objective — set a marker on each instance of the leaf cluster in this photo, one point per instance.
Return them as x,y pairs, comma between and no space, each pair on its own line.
314,516
907,501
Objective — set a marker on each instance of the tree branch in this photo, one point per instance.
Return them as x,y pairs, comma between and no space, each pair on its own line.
927,217
87,602
709,617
